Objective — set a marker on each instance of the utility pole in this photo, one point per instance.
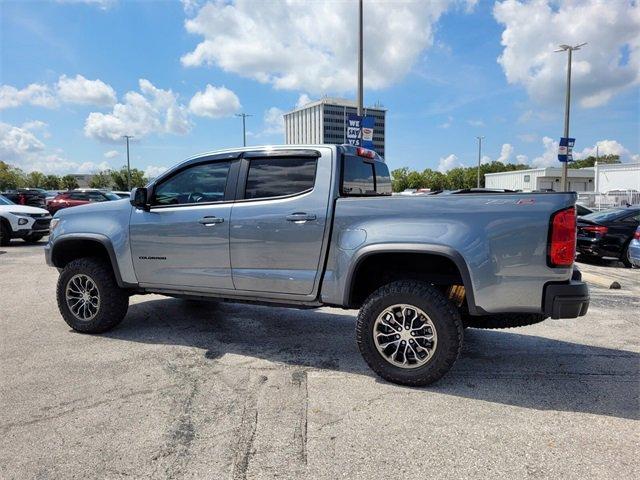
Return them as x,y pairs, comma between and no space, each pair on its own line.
570,49
479,156
127,137
244,127
360,60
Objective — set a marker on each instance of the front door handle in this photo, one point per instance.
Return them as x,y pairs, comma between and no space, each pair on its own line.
210,221
300,217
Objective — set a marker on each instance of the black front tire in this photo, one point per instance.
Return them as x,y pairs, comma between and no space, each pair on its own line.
114,301
443,315
5,234
33,238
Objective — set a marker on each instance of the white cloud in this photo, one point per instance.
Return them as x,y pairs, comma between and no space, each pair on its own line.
447,123
111,154
274,121
505,153
303,99
87,92
214,102
101,4
549,157
522,160
153,171
19,146
448,162
476,123
36,94
609,64
152,110
299,45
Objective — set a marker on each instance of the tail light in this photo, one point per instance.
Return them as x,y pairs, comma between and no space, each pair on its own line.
597,229
365,152
22,199
562,238
636,235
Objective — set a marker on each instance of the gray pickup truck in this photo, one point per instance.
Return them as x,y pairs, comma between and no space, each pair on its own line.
316,225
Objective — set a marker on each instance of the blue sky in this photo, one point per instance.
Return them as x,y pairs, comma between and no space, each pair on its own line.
71,77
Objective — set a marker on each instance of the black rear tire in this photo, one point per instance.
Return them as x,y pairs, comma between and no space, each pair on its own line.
113,301
443,315
505,320
624,258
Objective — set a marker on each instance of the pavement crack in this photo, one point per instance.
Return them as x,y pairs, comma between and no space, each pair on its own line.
247,432
299,379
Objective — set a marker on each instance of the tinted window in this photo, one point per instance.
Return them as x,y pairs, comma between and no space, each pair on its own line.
197,184
358,178
78,196
275,177
96,197
111,196
5,201
383,179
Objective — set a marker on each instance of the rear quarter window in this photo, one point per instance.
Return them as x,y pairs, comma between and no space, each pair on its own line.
364,177
278,177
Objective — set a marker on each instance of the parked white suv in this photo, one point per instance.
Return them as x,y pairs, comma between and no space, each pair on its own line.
22,221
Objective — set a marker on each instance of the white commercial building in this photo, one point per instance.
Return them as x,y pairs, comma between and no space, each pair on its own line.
325,121
548,178
617,177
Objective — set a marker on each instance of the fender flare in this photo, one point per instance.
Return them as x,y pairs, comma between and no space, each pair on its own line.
431,249
93,237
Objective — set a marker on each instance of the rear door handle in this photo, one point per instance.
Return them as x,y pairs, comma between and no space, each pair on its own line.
300,217
209,221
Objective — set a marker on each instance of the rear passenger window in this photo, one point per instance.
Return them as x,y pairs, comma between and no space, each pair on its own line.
276,177
358,177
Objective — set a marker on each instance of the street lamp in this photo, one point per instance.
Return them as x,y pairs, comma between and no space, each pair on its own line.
127,137
570,49
244,127
479,156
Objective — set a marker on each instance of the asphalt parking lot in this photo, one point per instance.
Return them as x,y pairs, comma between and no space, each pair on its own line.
188,390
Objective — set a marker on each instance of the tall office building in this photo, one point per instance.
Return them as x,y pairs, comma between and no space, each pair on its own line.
325,121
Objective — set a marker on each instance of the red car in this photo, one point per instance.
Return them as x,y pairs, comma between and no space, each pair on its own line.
74,198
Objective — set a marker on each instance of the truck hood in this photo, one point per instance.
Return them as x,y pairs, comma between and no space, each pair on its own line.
22,209
102,207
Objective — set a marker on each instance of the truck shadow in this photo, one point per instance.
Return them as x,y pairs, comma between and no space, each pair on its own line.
495,366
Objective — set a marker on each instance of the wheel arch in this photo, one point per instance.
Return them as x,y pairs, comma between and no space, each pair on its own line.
372,253
66,249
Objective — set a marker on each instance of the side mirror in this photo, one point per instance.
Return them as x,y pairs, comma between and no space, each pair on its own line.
139,198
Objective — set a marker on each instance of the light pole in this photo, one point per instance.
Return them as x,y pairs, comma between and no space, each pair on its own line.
570,49
244,127
127,137
360,60
479,156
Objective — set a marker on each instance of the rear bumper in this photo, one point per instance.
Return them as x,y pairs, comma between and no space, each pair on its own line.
567,299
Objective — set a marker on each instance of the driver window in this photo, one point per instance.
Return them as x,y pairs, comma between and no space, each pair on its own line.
198,184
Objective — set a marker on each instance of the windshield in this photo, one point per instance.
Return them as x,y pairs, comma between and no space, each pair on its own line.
606,215
5,201
112,196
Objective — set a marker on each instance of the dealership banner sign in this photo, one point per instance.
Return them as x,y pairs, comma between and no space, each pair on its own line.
565,149
360,131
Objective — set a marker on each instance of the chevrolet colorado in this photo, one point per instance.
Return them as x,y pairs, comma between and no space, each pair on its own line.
314,225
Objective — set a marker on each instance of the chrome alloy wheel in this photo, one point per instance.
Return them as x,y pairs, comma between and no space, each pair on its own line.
405,336
83,297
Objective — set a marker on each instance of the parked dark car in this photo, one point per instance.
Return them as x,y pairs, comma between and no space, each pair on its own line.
77,197
608,233
33,197
581,210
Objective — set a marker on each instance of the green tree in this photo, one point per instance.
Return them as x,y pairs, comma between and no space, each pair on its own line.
119,178
434,180
591,161
52,182
35,179
101,180
69,182
11,177
399,179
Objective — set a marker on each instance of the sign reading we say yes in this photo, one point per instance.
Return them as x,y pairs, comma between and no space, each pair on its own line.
360,131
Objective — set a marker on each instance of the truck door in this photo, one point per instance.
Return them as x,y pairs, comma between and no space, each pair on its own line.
278,220
183,240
